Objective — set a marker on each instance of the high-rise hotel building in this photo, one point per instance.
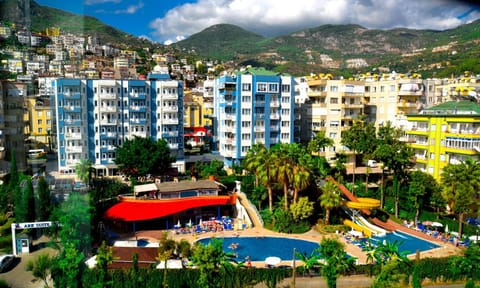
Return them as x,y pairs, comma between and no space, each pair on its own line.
94,116
252,106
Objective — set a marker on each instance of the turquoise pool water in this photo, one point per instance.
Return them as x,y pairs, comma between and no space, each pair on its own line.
259,248
408,243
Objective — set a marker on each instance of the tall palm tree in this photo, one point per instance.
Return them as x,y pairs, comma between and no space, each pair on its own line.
254,159
266,173
329,199
284,166
83,169
302,170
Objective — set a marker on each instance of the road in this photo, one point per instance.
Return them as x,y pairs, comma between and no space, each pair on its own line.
18,277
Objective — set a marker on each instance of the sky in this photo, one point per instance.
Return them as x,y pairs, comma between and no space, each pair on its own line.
168,21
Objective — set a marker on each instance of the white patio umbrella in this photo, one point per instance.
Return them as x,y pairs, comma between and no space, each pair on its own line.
446,228
272,260
189,224
437,224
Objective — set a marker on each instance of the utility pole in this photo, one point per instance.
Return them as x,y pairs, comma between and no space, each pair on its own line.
294,268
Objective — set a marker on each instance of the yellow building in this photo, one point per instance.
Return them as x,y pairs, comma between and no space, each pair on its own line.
332,107
197,110
39,119
444,134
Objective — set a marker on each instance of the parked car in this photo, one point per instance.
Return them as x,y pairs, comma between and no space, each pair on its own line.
6,261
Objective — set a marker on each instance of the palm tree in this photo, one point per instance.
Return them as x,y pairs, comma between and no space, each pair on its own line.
166,248
83,169
254,159
302,171
283,169
266,173
318,144
336,260
329,199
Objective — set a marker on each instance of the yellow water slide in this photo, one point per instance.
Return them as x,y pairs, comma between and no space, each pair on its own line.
363,203
366,231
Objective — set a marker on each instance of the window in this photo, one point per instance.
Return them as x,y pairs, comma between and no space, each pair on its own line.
246,111
262,87
246,124
332,135
285,88
39,113
273,87
246,136
40,130
285,99
333,100
333,88
246,99
382,88
40,122
246,87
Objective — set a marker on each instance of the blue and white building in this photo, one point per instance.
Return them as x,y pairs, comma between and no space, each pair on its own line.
94,116
252,106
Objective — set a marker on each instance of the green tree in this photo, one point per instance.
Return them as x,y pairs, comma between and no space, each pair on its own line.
166,248
329,199
302,173
359,138
301,210
393,264
340,160
142,156
266,173
29,198
254,159
40,267
73,223
283,168
213,263
337,261
104,258
420,183
395,155
68,267
44,200
83,169
460,186
318,144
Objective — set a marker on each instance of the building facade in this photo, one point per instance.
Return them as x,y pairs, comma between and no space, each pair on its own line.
444,134
93,117
252,106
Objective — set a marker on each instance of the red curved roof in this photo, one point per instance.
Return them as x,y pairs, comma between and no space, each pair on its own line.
137,210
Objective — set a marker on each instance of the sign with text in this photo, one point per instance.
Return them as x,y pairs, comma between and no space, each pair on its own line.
31,225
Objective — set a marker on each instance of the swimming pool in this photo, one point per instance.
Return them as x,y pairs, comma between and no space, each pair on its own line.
259,248
408,243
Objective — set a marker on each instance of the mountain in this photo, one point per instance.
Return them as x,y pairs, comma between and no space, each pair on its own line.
223,42
303,50
43,17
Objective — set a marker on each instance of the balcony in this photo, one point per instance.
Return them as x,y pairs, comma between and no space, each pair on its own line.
72,95
165,121
173,146
107,148
110,96
108,135
73,135
168,96
75,109
142,134
170,134
111,109
74,149
71,122
106,122
140,121
142,96
141,109
275,116
169,108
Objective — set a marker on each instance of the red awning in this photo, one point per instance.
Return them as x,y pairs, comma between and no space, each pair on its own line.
137,210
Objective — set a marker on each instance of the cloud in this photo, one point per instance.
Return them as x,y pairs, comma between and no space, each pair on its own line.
95,2
132,9
272,17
